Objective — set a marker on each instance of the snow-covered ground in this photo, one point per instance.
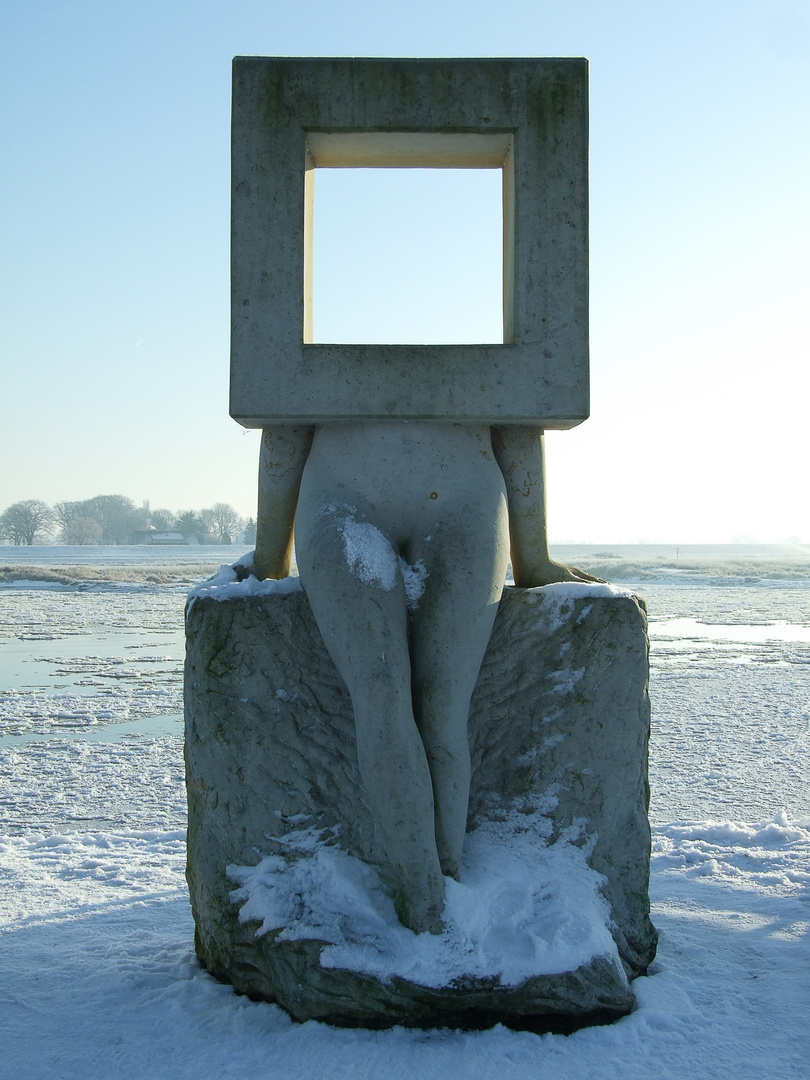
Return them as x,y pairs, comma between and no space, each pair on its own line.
99,975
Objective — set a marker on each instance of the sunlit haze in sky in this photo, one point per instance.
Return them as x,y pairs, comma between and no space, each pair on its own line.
114,184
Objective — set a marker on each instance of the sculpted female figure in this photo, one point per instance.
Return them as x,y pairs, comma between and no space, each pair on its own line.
403,534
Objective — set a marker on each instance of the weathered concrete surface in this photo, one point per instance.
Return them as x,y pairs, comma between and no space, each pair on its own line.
561,706
527,117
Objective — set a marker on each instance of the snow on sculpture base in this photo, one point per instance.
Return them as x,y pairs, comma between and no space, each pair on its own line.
288,885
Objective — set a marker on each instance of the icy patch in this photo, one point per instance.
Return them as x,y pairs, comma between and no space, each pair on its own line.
582,590
369,555
371,558
415,577
768,834
565,681
37,713
82,871
522,908
772,856
62,785
558,600
25,583
231,582
688,628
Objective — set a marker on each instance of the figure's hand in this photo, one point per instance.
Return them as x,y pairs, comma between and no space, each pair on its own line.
271,564
520,453
548,572
243,570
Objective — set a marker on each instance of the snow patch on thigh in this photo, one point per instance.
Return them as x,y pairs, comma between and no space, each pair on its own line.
368,554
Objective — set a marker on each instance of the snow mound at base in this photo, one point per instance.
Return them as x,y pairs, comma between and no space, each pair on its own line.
522,908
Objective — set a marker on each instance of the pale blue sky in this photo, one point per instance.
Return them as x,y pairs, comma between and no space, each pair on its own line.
114,188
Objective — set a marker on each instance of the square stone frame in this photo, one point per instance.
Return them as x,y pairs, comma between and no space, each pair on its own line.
528,117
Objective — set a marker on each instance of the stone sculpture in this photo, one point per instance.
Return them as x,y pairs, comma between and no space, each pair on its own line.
402,547
407,475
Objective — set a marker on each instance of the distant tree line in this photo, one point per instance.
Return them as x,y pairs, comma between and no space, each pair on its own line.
115,519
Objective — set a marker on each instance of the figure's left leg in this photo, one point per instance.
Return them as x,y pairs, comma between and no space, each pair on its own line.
465,557
358,599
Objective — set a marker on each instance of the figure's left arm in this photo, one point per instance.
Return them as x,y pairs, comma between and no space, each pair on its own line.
520,452
284,452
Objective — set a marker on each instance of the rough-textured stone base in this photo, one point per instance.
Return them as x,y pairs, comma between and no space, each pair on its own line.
561,707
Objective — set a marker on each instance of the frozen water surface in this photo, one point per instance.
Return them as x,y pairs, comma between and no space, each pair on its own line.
730,674
74,659
95,931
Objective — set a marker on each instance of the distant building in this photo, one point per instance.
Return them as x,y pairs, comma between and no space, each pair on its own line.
153,536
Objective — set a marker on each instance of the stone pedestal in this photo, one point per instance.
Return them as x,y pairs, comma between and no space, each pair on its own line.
559,727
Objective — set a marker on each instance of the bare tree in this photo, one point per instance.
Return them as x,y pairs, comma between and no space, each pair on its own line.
65,514
117,516
222,522
81,530
23,521
112,519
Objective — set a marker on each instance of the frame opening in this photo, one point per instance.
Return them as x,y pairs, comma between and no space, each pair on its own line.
422,270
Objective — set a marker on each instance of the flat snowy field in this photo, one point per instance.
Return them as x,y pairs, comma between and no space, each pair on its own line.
99,975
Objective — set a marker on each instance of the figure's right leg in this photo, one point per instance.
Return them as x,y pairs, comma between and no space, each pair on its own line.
465,558
352,579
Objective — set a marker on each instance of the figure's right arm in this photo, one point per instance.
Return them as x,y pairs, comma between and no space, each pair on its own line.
284,452
520,452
